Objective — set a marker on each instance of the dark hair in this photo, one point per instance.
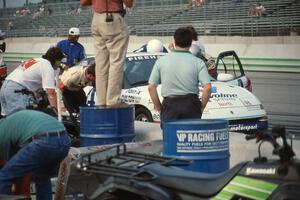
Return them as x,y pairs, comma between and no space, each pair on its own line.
91,69
3,47
53,54
194,32
183,37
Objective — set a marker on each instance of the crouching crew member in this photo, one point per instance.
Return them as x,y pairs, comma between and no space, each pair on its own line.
31,142
33,74
72,82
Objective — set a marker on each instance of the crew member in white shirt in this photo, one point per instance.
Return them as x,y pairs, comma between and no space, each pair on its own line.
33,74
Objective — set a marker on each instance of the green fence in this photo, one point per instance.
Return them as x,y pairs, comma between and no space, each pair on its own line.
249,64
19,57
271,64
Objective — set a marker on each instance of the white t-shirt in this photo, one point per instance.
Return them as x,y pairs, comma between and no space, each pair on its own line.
201,46
34,74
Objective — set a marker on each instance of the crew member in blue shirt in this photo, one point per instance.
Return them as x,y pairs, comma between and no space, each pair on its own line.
73,50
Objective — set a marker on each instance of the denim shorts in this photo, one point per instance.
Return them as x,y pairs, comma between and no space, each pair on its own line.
11,101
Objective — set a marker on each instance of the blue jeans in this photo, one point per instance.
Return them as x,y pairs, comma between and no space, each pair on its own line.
41,157
11,101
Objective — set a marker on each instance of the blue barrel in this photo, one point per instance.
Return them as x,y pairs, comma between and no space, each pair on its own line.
206,142
99,126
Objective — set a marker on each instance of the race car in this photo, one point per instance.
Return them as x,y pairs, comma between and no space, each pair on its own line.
231,97
3,68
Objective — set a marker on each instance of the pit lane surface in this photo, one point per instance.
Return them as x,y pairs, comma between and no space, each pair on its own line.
278,92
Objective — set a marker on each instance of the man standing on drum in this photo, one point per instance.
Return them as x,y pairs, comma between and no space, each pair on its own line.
111,41
179,74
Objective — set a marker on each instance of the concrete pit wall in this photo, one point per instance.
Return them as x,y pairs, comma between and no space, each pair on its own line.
265,47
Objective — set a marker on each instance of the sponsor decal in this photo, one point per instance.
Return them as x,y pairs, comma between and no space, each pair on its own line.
147,57
133,91
193,141
253,107
28,63
242,127
224,96
266,171
130,99
246,188
213,89
225,104
257,125
247,103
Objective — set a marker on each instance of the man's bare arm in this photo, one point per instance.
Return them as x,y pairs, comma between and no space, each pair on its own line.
205,95
52,97
154,97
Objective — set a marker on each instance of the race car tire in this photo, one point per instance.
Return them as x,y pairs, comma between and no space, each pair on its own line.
142,114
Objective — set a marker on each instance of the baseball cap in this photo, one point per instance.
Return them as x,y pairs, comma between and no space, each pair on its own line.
74,31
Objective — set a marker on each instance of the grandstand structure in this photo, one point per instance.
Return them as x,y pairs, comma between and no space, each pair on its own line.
162,17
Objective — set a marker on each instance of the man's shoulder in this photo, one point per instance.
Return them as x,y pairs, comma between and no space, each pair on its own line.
80,45
166,57
62,42
73,70
43,61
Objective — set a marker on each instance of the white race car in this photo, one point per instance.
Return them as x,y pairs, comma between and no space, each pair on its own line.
231,97
3,67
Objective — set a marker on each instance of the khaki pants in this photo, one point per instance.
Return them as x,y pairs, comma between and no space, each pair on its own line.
111,42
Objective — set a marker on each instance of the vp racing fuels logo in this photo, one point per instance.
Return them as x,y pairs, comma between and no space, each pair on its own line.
192,141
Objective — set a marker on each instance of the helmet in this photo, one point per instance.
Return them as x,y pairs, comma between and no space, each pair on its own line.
155,45
74,31
196,50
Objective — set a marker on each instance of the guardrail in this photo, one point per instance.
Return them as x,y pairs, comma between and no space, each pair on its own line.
19,57
249,64
271,64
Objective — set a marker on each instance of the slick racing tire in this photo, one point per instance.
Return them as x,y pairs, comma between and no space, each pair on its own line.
142,114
